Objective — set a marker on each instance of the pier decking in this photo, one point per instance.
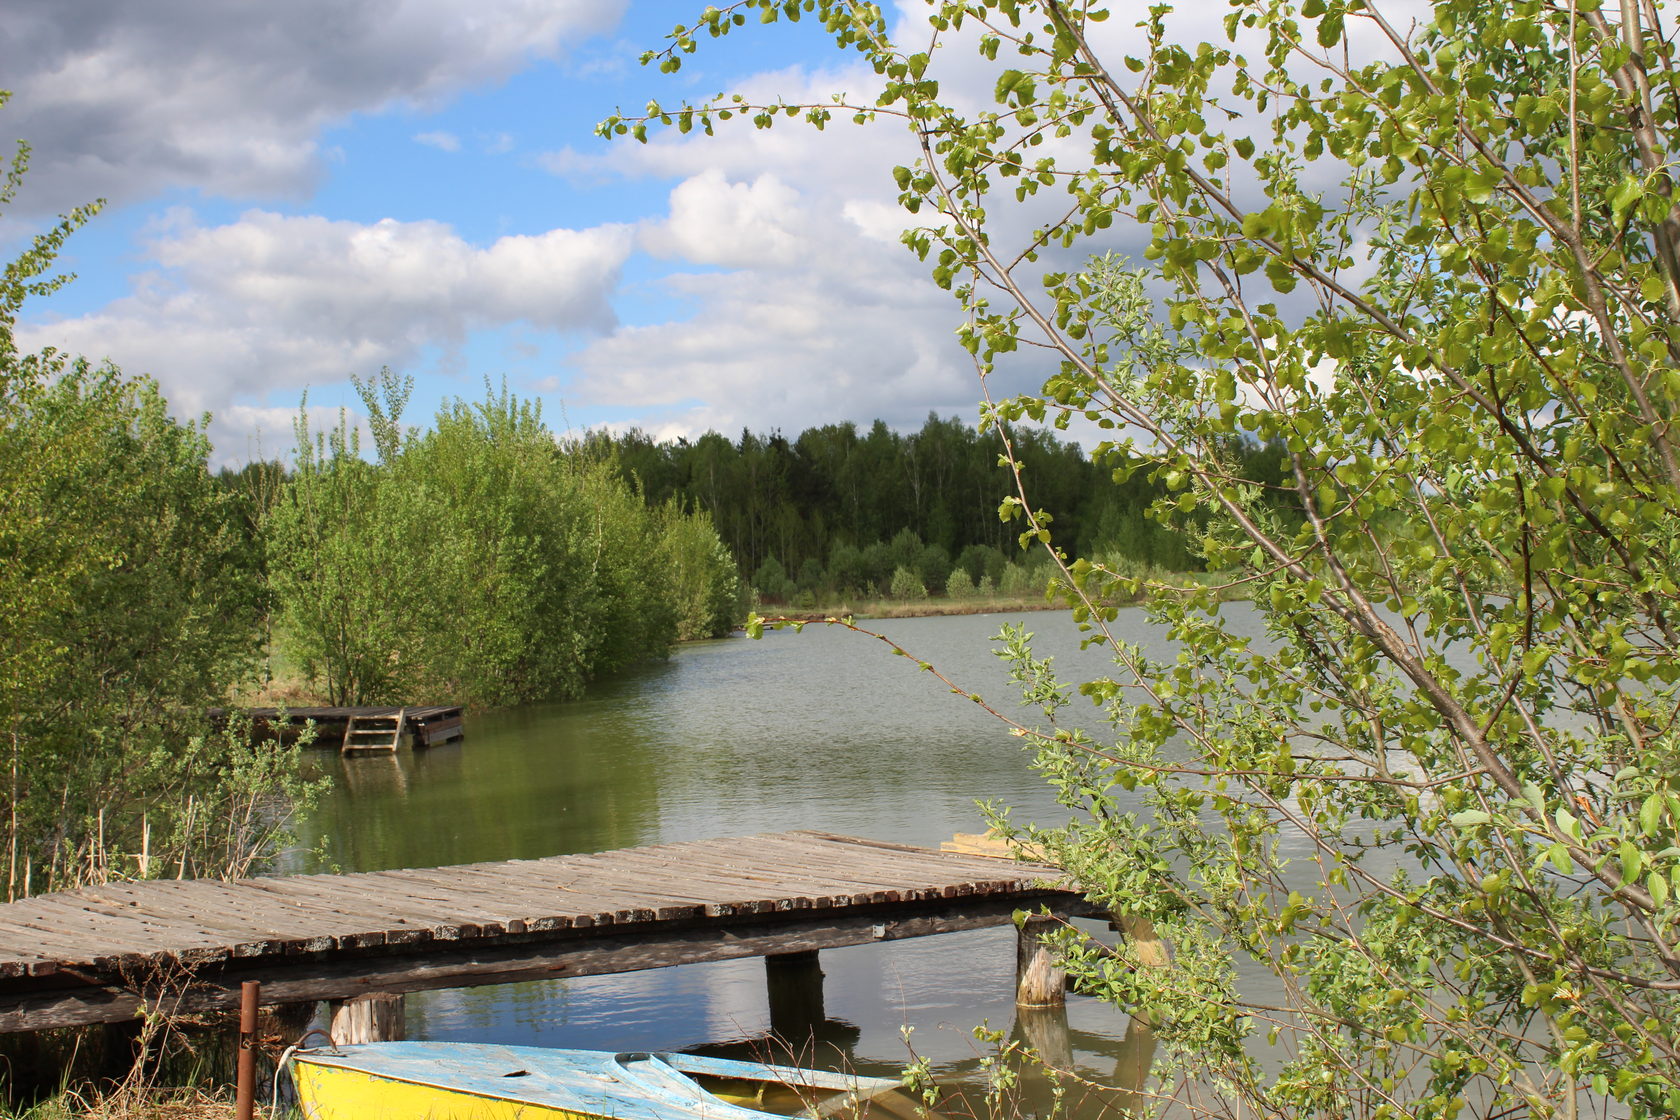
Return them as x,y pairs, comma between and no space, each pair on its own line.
102,954
424,724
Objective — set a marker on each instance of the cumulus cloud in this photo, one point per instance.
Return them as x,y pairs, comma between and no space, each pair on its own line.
807,309
809,316
810,309
274,302
122,99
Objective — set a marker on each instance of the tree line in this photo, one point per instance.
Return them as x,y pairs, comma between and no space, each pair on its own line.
841,510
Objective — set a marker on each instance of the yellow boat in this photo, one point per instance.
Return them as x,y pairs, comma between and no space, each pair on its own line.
468,1081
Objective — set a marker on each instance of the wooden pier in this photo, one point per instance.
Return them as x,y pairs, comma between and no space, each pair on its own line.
104,954
423,726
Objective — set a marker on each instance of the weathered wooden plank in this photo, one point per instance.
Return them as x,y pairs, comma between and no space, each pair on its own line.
296,928
359,914
812,874
717,893
247,903
580,905
816,871
330,916
483,909
768,887
67,947
174,916
893,860
154,932
654,904
961,863
720,885
14,963
466,898
535,910
571,954
386,903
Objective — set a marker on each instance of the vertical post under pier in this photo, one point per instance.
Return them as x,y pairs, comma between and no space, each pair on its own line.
795,984
1040,980
376,1017
244,1104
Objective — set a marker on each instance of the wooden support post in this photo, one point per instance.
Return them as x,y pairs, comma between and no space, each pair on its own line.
244,1100
795,983
1151,950
1040,980
377,1017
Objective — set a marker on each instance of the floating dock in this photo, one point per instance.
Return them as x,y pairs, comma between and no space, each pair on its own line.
106,954
423,726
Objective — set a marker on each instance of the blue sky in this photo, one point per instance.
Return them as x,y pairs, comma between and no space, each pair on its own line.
302,192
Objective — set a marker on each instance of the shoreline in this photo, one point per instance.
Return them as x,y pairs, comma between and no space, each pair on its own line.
291,691
912,608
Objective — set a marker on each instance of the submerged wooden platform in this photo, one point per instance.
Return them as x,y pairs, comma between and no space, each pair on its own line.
103,954
424,724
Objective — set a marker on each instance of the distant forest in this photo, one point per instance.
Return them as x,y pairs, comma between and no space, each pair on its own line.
839,509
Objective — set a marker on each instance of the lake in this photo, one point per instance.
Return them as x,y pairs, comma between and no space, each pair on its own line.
824,729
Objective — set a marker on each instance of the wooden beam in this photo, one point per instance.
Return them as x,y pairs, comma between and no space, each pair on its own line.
586,952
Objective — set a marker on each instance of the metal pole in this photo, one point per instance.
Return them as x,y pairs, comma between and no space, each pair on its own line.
246,1091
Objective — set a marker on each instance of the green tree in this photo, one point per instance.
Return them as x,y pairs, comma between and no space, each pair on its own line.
326,571
480,561
905,585
1437,266
132,598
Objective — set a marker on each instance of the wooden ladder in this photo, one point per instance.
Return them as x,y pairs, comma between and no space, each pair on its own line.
375,733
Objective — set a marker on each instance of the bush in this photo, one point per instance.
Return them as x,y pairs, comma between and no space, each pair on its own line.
906,585
959,586
933,567
526,570
847,570
1024,579
705,584
981,561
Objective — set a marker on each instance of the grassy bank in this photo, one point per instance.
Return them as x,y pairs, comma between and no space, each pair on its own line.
968,604
181,1104
911,608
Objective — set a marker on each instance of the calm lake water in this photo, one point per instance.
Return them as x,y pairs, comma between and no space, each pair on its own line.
824,730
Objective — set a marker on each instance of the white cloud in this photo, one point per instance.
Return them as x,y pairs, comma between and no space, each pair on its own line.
812,310
713,221
442,141
815,320
273,302
122,99
785,242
